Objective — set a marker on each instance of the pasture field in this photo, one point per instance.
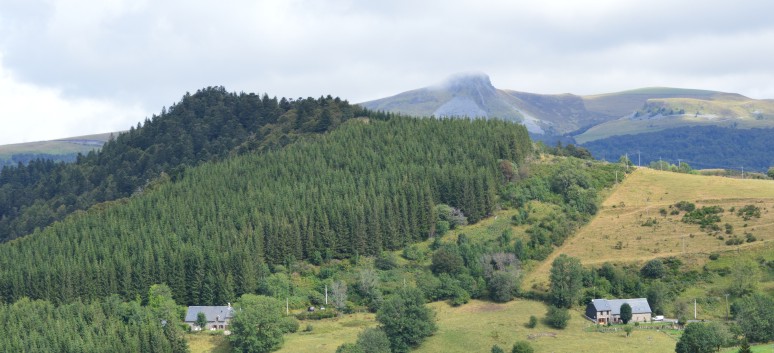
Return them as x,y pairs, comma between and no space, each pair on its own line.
327,334
617,233
478,325
206,343
473,327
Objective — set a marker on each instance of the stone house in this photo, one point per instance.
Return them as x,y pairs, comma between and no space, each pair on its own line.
217,317
603,311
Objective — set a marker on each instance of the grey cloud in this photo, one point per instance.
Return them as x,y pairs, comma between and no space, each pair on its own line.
152,52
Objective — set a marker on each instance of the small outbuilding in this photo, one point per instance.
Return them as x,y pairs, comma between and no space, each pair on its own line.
603,311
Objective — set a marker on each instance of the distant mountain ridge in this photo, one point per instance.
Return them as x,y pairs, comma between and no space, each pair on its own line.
585,118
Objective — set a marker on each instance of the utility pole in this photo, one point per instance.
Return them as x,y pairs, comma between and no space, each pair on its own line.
660,166
727,307
638,158
627,161
616,177
742,172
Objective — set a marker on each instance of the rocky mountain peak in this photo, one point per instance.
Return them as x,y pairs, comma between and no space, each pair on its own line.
476,81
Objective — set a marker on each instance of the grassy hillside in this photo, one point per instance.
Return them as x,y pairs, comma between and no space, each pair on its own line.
58,146
660,110
623,103
616,234
61,149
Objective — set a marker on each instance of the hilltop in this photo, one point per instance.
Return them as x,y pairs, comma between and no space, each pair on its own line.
611,124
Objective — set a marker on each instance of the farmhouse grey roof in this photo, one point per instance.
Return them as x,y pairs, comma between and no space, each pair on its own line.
639,305
601,304
213,313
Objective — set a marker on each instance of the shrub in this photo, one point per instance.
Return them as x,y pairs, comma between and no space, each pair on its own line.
532,321
289,325
413,253
349,348
628,329
316,315
501,286
653,269
447,259
386,261
749,211
557,317
650,222
497,349
308,328
734,240
714,256
685,206
522,347
373,340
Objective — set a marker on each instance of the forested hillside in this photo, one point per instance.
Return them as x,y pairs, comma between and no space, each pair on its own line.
699,146
367,186
210,124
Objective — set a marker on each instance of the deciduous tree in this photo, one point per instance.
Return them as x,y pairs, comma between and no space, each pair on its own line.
255,327
566,281
406,320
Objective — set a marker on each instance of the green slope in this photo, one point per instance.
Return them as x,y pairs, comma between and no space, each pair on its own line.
64,149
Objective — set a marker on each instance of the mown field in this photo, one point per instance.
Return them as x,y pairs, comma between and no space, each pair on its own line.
617,233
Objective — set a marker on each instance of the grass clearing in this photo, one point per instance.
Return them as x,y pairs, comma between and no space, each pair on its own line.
616,233
203,342
327,334
478,325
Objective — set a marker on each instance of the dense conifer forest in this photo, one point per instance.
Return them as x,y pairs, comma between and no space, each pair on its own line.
208,125
368,186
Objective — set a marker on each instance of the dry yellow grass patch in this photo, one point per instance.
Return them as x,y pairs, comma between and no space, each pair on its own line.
616,234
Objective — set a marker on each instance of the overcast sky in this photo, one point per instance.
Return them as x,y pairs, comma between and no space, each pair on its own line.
74,67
